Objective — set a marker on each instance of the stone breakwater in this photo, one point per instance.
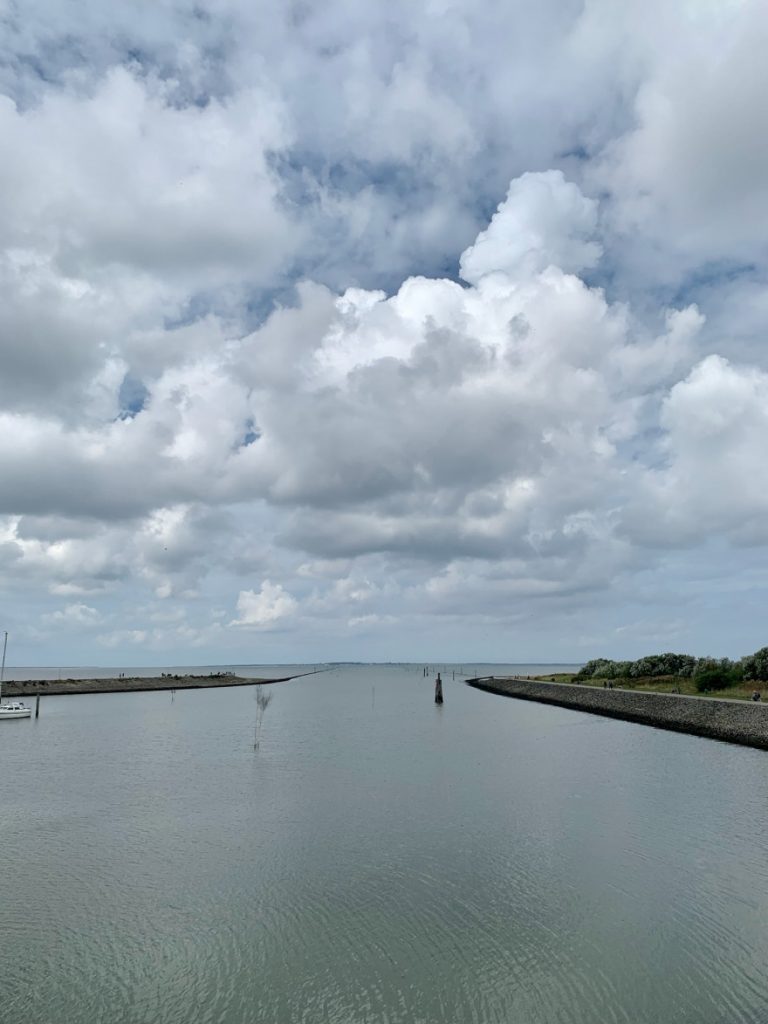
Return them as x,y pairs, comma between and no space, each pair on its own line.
123,684
733,721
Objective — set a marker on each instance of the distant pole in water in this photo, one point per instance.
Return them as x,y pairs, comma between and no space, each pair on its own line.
2,667
438,690
37,706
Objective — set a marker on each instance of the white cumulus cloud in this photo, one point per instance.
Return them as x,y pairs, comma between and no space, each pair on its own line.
451,317
263,608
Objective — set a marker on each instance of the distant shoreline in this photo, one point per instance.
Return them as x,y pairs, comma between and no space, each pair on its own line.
131,684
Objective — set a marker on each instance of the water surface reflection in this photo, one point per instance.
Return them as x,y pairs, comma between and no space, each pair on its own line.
377,859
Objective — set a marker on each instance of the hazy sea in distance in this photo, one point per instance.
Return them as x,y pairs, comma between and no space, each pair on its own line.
375,859
474,668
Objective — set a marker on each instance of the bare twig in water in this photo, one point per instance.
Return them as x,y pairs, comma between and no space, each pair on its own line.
263,698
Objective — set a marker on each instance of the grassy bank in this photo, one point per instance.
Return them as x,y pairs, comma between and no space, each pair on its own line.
663,684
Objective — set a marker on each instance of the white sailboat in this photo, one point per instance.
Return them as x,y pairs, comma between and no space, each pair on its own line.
14,708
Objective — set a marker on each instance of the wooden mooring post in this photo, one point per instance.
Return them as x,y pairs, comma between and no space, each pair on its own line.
37,705
438,690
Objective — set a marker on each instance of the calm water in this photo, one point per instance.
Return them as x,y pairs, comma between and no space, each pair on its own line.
376,859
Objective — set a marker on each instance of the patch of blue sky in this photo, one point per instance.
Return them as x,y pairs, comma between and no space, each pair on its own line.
261,302
302,170
602,275
25,77
709,277
578,152
132,397
246,308
197,306
250,436
185,87
402,192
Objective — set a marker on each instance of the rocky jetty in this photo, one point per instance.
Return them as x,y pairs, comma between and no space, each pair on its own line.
735,721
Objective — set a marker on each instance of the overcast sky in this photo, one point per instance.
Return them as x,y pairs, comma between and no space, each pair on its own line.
382,331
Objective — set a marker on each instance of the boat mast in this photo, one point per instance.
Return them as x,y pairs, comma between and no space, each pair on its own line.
2,667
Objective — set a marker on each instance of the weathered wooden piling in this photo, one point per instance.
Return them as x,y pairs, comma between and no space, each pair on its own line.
438,690
37,705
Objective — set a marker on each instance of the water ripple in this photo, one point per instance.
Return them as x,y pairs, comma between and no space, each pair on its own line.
495,863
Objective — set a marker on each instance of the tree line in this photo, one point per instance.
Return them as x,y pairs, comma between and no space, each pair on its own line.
707,673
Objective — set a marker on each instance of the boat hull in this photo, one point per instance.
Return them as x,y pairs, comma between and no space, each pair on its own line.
15,713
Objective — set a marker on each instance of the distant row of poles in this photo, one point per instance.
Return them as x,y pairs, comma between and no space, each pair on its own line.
439,699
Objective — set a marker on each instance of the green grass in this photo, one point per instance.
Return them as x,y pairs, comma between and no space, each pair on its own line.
558,677
662,684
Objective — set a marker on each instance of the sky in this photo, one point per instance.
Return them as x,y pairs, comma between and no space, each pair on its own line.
423,331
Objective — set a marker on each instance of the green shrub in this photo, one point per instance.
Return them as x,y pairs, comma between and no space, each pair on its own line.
717,677
589,670
755,665
668,664
605,671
